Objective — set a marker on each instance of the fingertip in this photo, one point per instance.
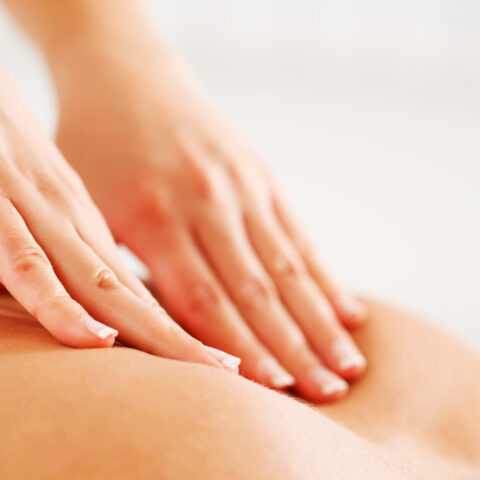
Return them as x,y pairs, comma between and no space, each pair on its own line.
353,367
107,342
80,331
351,311
338,393
271,374
346,360
102,343
99,330
79,339
321,385
353,373
224,360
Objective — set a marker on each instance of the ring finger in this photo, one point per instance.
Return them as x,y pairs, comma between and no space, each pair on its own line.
223,239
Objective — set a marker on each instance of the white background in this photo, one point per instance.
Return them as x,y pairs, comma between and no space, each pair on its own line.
368,112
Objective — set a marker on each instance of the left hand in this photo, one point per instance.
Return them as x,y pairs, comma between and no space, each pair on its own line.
196,205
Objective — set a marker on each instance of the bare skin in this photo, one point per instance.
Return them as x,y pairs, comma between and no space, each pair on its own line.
58,257
190,198
120,413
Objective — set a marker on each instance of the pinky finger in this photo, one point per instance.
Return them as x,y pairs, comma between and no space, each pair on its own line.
349,310
27,274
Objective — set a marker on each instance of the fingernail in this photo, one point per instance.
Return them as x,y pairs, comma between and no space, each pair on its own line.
98,329
326,381
347,356
352,308
334,386
282,380
227,360
278,377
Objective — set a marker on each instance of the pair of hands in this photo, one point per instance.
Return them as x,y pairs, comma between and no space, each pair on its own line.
188,198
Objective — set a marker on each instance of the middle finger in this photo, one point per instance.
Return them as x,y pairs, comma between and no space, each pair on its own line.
224,241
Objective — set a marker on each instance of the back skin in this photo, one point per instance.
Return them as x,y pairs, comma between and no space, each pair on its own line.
122,414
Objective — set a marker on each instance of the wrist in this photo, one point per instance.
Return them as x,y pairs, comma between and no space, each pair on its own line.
85,59
92,27
108,39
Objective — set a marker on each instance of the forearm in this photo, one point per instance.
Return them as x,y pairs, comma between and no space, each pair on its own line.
55,24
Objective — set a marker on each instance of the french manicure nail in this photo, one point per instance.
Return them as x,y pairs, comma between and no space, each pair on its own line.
227,360
353,361
334,387
353,308
282,380
231,362
278,377
326,381
347,356
98,329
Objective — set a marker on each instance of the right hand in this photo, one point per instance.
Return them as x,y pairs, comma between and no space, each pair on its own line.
202,212
59,260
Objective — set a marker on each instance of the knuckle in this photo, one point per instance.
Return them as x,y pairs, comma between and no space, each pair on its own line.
288,268
28,258
224,196
56,302
152,302
211,183
204,297
48,188
104,279
155,203
172,330
205,185
217,191
256,292
200,173
80,211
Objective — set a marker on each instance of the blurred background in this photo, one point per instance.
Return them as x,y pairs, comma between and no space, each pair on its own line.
368,111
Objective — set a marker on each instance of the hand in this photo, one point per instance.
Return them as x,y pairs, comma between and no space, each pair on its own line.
196,205
58,259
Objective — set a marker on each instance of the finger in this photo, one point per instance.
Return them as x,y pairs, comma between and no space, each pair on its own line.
228,361
28,275
106,249
192,293
349,310
302,296
225,243
96,287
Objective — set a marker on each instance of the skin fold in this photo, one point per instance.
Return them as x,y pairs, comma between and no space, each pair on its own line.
121,413
190,199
